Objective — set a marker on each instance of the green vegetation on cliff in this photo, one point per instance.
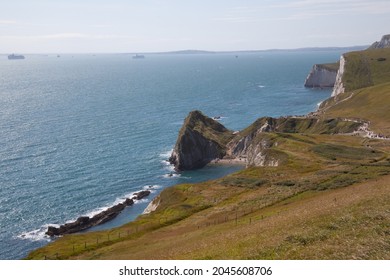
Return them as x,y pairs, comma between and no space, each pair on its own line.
330,66
367,90
366,68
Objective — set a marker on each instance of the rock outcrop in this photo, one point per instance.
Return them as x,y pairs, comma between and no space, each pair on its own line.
383,43
254,145
201,140
258,148
85,222
322,76
339,86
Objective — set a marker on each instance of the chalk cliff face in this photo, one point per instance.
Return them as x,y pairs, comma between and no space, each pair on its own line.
339,86
201,140
383,43
321,76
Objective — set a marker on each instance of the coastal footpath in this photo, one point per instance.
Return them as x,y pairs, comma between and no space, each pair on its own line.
314,186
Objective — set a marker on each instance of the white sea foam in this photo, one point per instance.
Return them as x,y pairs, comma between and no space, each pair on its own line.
170,168
144,200
152,187
121,199
166,154
171,175
166,162
37,234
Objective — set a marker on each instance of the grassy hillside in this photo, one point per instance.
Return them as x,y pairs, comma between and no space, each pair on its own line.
328,200
371,104
367,85
330,66
261,212
366,68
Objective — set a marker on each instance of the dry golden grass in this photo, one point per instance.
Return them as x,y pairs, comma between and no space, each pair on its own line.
347,223
283,212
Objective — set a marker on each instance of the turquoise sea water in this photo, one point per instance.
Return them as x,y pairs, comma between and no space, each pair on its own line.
80,132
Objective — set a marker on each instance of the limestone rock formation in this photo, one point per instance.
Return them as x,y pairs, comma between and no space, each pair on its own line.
383,43
322,76
201,140
258,147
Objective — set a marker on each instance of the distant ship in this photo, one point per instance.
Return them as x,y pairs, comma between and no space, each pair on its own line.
15,56
138,56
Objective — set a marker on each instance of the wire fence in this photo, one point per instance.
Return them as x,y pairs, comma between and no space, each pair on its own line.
238,218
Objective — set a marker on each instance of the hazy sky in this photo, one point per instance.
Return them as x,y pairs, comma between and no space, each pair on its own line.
59,26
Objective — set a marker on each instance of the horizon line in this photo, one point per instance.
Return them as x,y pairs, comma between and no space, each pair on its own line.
198,51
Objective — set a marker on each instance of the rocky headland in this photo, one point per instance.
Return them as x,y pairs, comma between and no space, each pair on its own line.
198,144
201,140
382,44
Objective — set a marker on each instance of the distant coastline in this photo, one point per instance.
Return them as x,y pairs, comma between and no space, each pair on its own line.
193,52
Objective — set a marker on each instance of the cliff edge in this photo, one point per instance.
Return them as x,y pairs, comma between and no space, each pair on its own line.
201,140
322,76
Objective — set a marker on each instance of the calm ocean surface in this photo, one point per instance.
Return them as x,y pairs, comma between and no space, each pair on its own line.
79,133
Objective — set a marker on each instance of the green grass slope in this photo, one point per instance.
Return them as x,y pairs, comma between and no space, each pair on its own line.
367,84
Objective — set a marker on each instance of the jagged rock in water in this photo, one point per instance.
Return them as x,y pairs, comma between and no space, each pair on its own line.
84,222
201,140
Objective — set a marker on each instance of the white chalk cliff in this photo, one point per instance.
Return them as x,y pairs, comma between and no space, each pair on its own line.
339,86
321,76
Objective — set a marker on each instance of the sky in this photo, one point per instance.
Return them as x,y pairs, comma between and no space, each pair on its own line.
117,26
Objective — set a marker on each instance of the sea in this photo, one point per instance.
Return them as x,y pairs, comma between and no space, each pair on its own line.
81,132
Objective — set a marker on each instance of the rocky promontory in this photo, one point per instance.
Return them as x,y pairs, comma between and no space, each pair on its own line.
382,44
322,76
85,222
201,140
